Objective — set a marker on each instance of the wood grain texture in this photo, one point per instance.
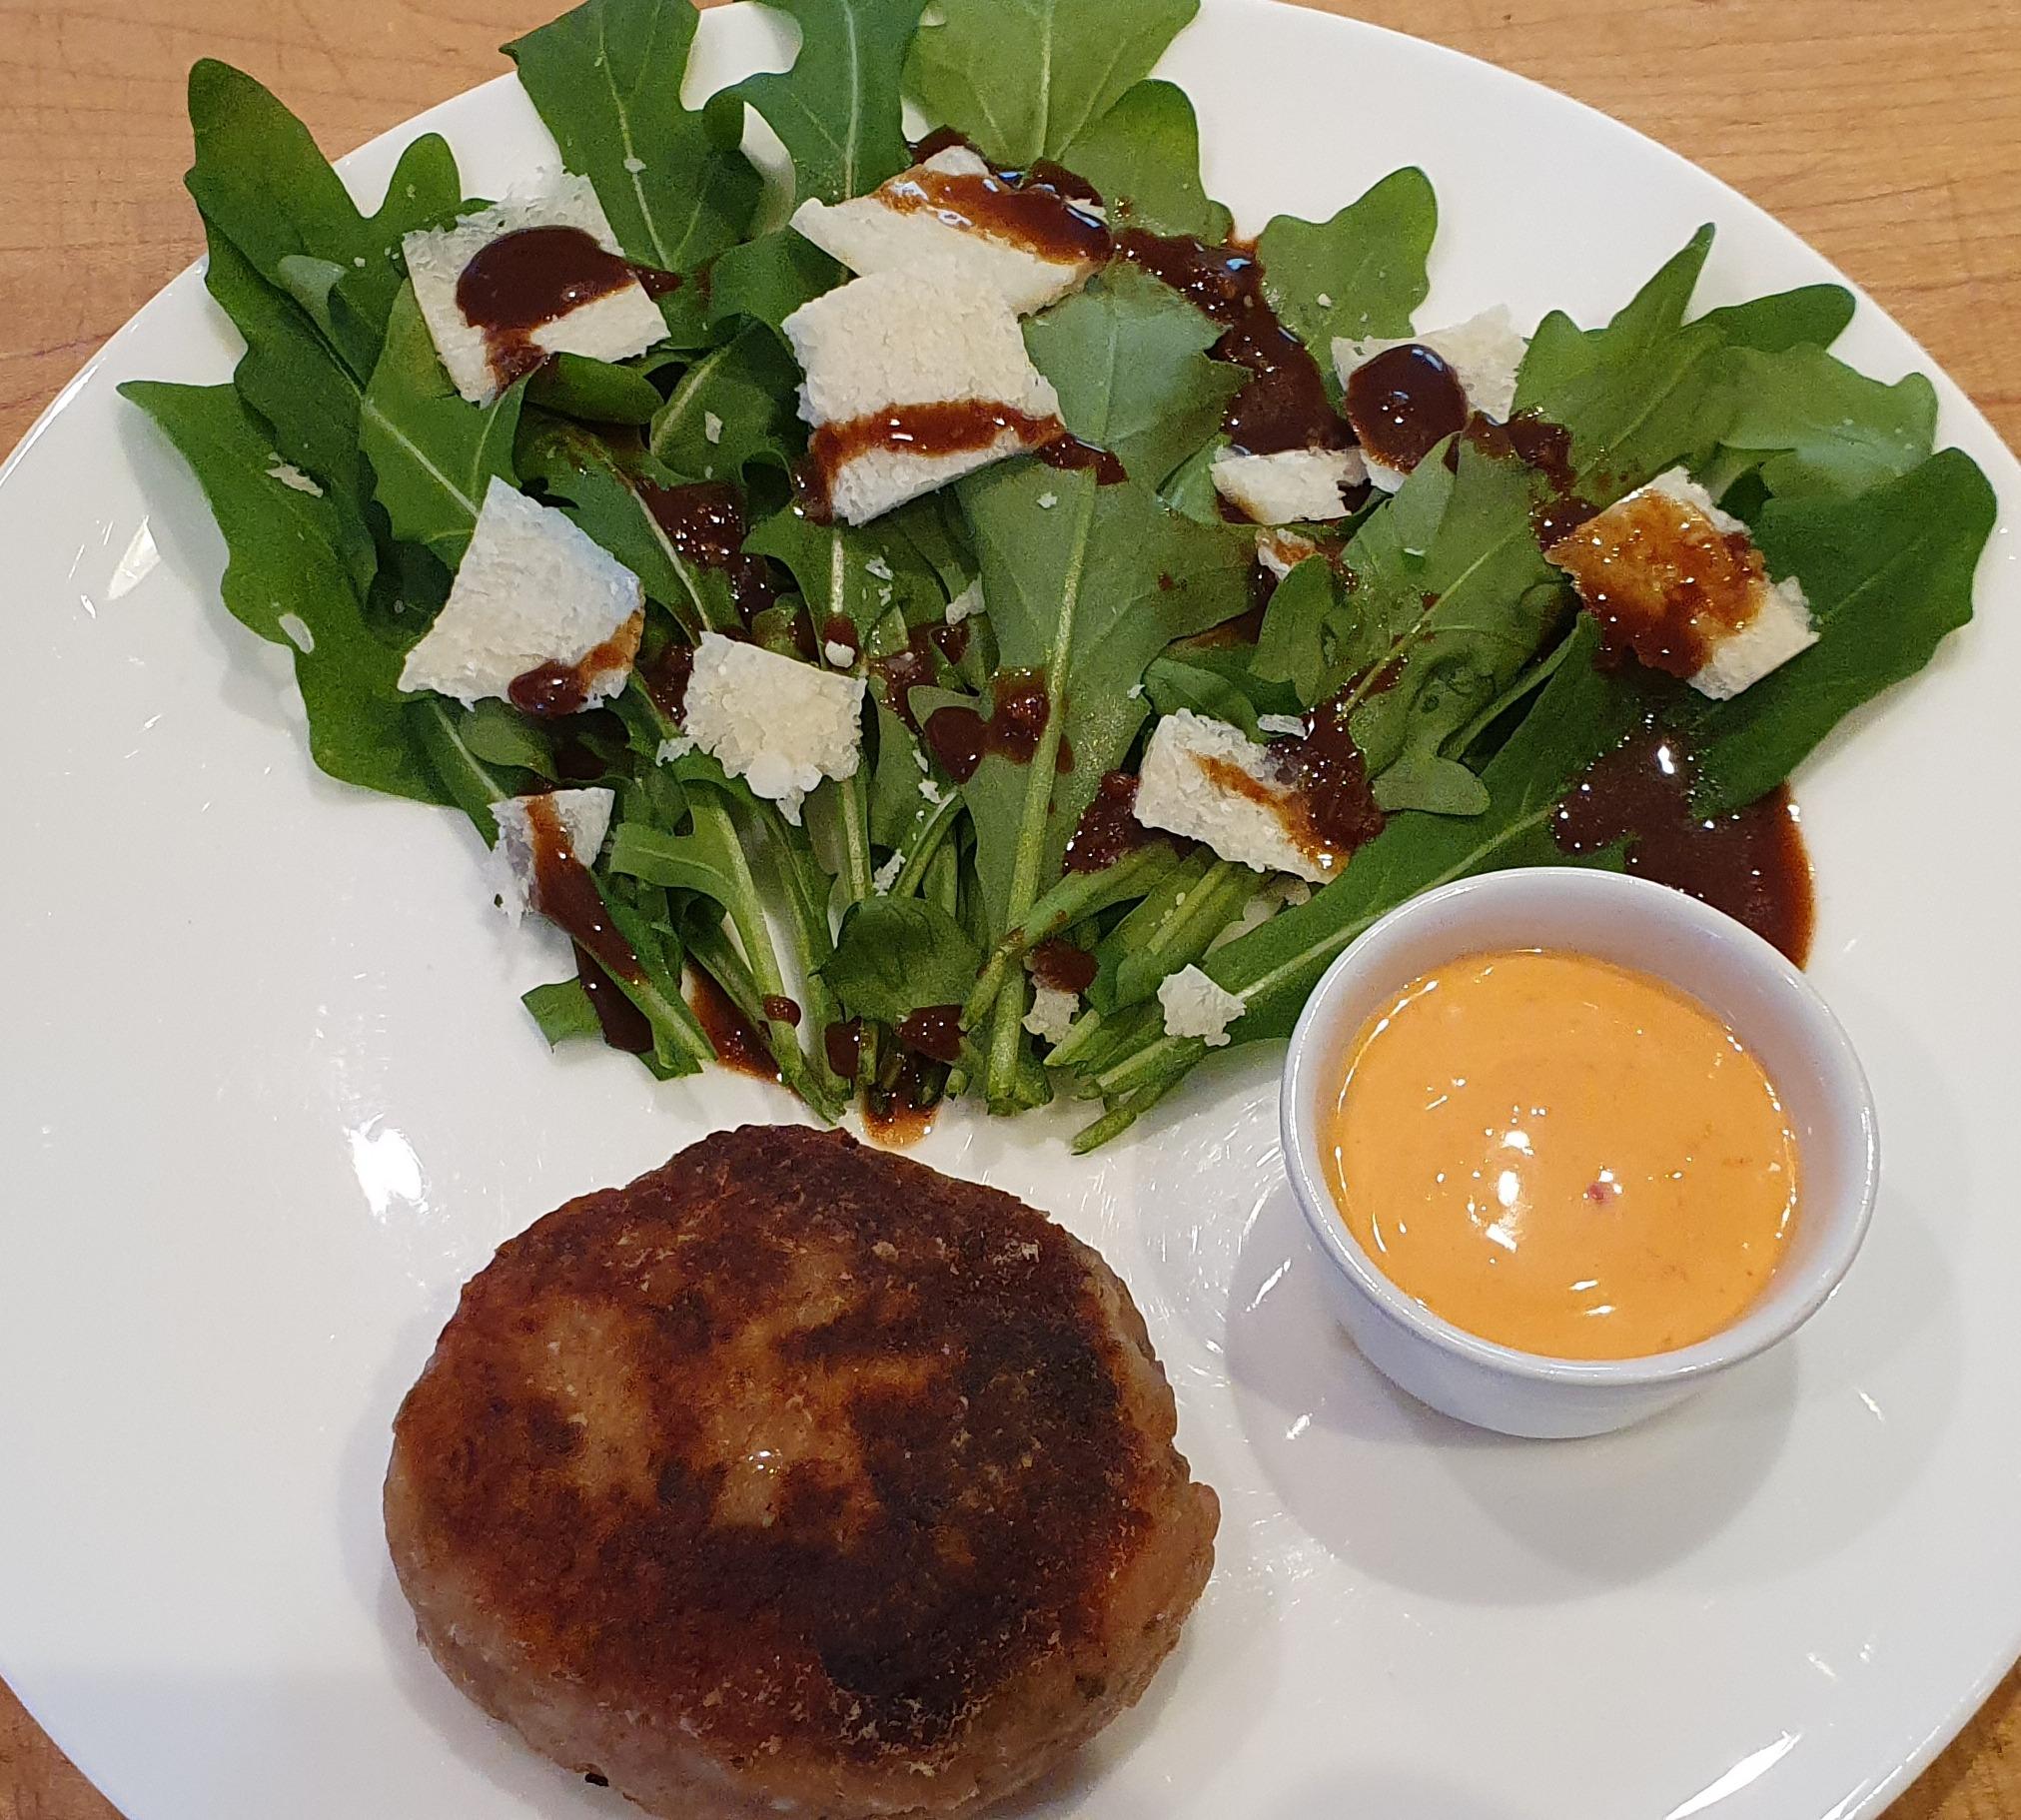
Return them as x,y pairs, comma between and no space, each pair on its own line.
1888,137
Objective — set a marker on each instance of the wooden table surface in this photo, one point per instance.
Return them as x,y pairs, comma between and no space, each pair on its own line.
1888,137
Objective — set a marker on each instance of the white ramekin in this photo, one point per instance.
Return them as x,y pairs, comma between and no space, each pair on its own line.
1767,1002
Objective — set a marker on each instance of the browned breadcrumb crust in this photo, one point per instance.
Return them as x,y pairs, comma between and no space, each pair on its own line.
797,1473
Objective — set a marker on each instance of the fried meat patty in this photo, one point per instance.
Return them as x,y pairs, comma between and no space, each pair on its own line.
797,1478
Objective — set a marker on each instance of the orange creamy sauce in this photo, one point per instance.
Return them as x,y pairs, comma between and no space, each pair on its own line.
1564,1155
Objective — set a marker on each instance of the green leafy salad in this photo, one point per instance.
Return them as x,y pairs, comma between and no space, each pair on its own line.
1013,658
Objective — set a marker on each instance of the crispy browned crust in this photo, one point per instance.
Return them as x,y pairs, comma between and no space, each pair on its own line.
797,1477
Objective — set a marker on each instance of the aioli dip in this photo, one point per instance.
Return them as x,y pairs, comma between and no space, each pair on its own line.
1563,1156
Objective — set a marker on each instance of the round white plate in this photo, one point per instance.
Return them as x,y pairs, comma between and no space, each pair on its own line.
266,1099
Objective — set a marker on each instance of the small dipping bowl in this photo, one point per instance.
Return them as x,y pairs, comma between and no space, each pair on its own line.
1633,923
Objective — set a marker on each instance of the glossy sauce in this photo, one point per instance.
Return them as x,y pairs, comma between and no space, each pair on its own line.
706,525
1750,864
554,691
566,895
1068,452
1035,215
944,428
1285,403
521,281
898,1116
623,1025
1109,827
933,1031
1062,966
1404,404
961,739
738,1043
1663,580
843,1045
1332,808
1564,1155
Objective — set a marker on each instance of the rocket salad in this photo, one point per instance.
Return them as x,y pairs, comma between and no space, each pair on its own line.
865,776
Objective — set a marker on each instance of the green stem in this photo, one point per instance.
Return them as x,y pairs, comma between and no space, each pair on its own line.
1006,1047
1119,1119
747,916
1076,897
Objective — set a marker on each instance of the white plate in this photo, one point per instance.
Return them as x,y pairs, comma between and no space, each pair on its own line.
266,1099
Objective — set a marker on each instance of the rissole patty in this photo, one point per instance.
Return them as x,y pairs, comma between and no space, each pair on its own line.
797,1478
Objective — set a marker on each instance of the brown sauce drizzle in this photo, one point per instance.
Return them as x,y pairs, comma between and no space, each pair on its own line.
738,1042
1068,452
623,1025
840,629
1664,583
781,1010
899,674
1546,448
566,895
667,678
1036,215
706,526
961,739
843,1043
947,426
1323,796
555,690
1285,403
1109,827
521,281
1404,404
1751,864
897,1116
934,1031
1062,966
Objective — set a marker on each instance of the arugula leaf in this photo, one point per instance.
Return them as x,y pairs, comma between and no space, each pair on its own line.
897,955
859,573
1465,621
713,857
434,453
1142,155
606,80
287,581
1173,684
1024,79
1076,593
740,389
1128,356
1824,426
1888,574
1817,314
289,376
1367,263
1643,393
767,278
595,391
583,476
838,110
1292,647
564,1012
263,185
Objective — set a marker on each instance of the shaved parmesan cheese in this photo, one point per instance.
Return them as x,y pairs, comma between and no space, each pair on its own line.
1484,353
613,327
923,338
1294,486
533,589
1195,1006
917,217
1053,1012
1184,789
779,724
585,820
1624,562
